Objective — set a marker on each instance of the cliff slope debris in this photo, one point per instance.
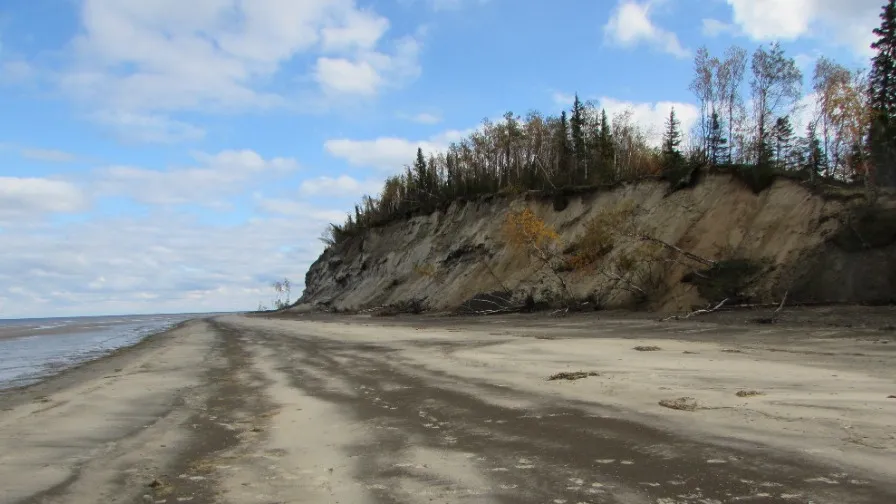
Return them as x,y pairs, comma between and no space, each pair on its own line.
637,244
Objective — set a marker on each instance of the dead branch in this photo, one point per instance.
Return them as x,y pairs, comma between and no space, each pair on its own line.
783,300
689,255
501,308
774,317
560,312
696,313
627,282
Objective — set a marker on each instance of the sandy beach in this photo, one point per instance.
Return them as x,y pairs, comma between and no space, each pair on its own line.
323,409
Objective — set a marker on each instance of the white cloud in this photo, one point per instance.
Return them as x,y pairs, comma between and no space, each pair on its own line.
147,128
563,99
217,176
773,19
16,71
446,5
847,23
389,154
340,186
339,75
139,61
50,155
31,198
630,25
296,208
651,117
425,118
714,27
361,30
128,265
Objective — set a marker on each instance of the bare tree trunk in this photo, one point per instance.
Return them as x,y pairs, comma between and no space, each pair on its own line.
689,255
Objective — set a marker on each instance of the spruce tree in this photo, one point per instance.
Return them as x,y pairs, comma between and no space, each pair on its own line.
783,137
451,175
717,140
816,161
672,158
564,151
577,129
882,95
607,148
420,173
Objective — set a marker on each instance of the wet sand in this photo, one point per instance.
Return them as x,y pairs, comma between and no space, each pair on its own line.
356,410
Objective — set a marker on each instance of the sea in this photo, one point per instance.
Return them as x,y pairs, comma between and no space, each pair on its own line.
31,350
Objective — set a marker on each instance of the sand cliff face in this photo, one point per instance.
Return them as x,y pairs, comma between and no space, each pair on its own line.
816,248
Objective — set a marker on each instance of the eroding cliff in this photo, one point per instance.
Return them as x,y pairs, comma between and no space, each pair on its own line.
818,246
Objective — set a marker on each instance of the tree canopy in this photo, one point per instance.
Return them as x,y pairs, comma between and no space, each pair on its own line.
849,134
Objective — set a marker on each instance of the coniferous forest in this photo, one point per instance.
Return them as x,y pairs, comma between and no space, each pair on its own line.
747,104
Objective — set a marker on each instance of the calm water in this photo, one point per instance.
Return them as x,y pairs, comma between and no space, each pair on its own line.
33,349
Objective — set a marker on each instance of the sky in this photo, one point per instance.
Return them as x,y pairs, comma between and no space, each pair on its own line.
161,156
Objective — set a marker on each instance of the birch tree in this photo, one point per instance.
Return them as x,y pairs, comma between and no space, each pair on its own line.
776,87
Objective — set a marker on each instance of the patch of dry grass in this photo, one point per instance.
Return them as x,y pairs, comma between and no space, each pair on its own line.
681,404
749,393
572,375
650,348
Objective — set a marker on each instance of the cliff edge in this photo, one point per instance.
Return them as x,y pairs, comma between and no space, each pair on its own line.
667,251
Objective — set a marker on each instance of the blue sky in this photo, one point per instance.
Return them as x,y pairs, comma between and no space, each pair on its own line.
169,156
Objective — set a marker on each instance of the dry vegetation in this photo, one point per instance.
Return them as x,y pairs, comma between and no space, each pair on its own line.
681,404
612,246
572,375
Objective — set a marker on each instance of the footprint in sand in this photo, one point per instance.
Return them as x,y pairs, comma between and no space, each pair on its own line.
524,463
822,479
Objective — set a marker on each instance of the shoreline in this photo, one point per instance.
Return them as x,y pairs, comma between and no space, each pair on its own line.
233,409
46,385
